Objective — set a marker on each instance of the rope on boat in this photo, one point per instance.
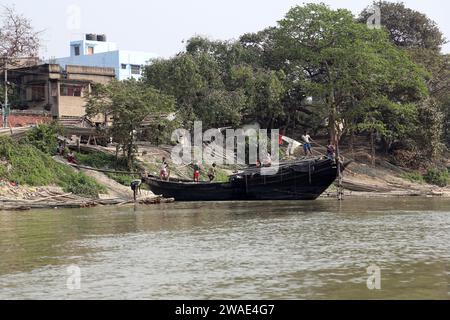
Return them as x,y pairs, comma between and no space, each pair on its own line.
77,166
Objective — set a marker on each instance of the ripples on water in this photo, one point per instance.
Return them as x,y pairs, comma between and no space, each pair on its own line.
278,250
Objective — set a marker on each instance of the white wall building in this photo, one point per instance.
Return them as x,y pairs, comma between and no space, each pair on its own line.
95,51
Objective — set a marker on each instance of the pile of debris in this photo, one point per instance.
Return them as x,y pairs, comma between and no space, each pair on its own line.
14,197
19,198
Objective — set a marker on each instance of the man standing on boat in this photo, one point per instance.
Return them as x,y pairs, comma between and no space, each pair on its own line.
164,173
307,143
196,172
212,173
331,151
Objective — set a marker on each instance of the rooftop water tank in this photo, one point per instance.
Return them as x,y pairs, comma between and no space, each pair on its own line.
91,37
101,37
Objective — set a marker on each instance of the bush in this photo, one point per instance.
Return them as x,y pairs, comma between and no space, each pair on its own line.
31,166
439,177
97,160
44,137
79,183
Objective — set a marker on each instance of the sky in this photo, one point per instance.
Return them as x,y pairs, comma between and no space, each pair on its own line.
162,26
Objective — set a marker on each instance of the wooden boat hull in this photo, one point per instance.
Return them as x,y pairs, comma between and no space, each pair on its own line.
303,181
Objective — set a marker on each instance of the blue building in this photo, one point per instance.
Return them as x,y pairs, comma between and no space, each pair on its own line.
95,51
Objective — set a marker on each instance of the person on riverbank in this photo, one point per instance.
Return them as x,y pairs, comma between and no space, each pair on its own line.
196,172
71,157
136,188
61,149
212,173
306,138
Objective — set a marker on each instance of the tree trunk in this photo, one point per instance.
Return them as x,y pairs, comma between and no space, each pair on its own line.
130,155
332,125
372,145
352,143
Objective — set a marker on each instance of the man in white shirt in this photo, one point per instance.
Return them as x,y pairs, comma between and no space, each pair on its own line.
293,145
307,143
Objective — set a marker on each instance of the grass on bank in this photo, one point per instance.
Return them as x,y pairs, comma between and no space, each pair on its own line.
25,164
435,176
414,176
439,177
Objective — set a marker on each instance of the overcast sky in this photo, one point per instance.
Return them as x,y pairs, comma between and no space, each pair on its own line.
160,26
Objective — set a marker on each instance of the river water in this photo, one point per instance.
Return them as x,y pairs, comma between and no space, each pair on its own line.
249,250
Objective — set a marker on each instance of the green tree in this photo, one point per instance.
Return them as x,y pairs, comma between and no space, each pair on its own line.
44,137
264,90
407,28
420,36
221,108
186,77
261,46
220,83
128,104
434,112
345,65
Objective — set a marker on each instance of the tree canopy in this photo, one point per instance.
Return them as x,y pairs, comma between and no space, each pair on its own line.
421,39
407,28
127,104
352,70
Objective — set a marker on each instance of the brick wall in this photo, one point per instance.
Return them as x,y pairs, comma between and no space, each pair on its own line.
23,120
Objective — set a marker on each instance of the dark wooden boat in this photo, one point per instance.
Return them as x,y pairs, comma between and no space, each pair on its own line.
296,180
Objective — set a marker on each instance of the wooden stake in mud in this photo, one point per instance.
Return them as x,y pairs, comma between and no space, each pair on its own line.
340,188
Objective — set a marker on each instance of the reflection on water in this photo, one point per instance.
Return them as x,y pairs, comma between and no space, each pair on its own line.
251,250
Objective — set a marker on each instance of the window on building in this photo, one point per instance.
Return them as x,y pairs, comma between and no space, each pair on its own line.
90,50
77,50
124,66
71,90
38,93
135,69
